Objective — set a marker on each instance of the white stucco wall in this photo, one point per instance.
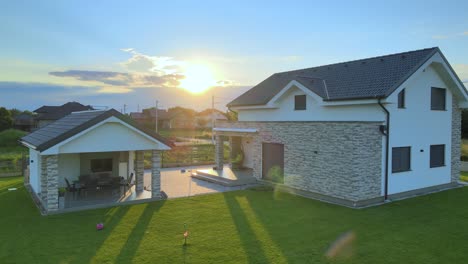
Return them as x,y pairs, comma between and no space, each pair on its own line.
35,170
69,167
419,127
110,136
314,111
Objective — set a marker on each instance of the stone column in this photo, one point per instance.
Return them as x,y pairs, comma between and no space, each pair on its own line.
257,156
219,152
52,183
139,171
156,174
456,141
43,165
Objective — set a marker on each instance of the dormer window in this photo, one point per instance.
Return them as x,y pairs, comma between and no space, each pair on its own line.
401,99
300,102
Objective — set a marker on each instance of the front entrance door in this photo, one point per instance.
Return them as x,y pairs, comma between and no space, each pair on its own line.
273,162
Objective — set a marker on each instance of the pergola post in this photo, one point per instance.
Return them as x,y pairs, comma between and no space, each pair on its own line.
219,152
156,174
139,171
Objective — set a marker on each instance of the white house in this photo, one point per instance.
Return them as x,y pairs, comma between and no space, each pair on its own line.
94,152
354,133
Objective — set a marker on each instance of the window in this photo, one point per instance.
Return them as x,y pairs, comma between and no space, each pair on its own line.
300,102
401,99
437,156
437,98
401,159
100,165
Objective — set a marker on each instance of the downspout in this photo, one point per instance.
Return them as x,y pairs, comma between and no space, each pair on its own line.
387,143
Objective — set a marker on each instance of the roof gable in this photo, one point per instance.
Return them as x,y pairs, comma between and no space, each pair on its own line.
360,79
75,123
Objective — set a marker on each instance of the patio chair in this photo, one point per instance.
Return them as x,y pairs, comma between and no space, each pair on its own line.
127,183
71,188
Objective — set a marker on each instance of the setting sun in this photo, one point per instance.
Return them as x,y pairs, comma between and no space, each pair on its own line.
198,78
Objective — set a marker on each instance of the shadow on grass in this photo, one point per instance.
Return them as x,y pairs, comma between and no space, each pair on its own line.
249,240
139,230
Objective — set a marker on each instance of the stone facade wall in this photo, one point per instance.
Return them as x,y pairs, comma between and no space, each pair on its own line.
219,152
43,194
52,183
139,171
156,174
338,159
456,141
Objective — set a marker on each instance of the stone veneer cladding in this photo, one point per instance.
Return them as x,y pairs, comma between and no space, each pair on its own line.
43,195
139,171
338,159
456,141
156,174
52,183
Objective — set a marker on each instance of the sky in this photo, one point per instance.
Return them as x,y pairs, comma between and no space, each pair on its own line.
181,53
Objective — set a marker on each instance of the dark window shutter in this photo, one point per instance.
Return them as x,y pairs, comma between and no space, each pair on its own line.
401,159
437,156
401,99
300,102
438,98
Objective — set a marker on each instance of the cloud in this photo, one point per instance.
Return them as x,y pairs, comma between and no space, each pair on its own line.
446,36
121,79
29,96
159,65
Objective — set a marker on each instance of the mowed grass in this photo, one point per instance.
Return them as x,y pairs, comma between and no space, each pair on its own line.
251,226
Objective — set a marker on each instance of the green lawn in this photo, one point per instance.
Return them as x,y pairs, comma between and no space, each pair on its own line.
237,227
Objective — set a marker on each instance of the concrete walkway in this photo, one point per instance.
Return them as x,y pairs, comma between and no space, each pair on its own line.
179,184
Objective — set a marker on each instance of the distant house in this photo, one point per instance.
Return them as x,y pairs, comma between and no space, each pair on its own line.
204,118
47,114
24,122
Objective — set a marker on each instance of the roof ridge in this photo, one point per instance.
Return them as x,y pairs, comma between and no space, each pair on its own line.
357,60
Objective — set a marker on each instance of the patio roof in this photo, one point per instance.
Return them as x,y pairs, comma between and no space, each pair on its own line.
75,123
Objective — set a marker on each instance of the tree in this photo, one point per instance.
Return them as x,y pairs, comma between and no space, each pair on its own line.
231,115
15,112
6,121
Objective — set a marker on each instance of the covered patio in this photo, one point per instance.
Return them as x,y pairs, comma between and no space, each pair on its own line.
92,158
244,158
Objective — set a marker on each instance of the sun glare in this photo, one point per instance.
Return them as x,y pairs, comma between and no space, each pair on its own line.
198,78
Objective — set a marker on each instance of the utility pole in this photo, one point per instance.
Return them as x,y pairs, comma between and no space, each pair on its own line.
212,118
156,117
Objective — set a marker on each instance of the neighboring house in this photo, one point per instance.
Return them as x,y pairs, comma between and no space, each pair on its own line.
163,117
94,147
24,122
204,119
354,133
48,114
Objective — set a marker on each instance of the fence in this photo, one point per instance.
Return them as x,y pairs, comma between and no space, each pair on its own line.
13,166
187,155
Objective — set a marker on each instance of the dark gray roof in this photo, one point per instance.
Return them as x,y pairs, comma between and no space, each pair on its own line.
360,79
47,112
73,124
